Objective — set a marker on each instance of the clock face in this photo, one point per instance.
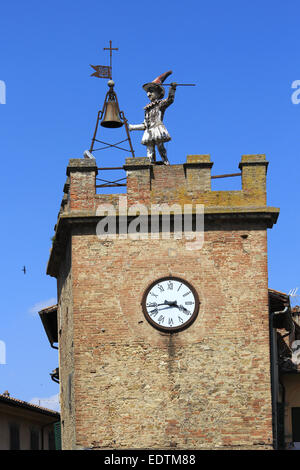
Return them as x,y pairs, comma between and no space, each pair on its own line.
170,304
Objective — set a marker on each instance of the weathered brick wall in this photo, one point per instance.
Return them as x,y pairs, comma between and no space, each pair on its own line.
207,387
66,357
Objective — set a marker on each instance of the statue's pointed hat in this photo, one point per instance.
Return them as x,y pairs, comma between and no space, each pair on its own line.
157,83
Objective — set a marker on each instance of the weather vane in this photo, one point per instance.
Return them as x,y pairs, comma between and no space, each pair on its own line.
105,71
110,116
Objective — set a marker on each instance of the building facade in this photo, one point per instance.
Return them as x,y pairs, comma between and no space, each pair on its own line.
129,383
24,426
285,364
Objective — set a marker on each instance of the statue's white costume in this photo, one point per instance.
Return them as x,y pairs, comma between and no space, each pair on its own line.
155,131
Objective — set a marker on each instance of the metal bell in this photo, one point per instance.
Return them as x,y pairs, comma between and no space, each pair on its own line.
112,115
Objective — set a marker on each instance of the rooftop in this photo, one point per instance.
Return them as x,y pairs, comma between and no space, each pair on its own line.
7,399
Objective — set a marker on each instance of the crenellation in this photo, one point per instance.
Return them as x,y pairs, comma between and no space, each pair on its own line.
189,183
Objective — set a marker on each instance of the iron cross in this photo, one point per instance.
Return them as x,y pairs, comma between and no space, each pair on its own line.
110,49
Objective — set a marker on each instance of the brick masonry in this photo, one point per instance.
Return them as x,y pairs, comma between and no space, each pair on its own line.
126,385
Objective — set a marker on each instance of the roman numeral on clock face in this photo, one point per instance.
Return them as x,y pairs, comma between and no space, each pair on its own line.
187,293
154,312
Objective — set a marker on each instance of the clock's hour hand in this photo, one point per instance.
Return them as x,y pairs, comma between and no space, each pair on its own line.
171,303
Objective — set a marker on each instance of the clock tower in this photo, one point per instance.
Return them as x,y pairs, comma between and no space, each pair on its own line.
164,340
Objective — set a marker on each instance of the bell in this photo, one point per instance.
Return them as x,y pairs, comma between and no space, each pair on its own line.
112,115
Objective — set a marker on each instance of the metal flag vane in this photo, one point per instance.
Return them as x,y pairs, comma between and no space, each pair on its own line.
102,71
105,71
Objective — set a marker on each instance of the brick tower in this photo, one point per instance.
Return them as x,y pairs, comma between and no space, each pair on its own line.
126,384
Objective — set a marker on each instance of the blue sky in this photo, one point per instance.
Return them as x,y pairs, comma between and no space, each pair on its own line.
243,57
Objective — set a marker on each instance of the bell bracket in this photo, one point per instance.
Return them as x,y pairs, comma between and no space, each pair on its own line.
111,117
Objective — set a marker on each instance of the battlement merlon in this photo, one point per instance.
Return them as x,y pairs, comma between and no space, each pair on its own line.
186,183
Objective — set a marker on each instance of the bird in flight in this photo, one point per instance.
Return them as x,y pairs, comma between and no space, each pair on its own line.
24,270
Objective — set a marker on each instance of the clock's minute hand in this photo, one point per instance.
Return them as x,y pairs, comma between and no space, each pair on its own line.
159,309
183,309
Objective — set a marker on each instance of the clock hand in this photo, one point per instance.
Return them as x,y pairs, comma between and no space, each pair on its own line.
154,304
167,302
174,304
183,309
169,306
159,309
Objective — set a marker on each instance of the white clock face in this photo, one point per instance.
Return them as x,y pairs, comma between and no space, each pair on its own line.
170,304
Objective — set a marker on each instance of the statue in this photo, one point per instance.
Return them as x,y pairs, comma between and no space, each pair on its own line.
156,134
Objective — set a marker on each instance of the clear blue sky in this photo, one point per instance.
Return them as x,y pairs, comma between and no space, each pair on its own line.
242,55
